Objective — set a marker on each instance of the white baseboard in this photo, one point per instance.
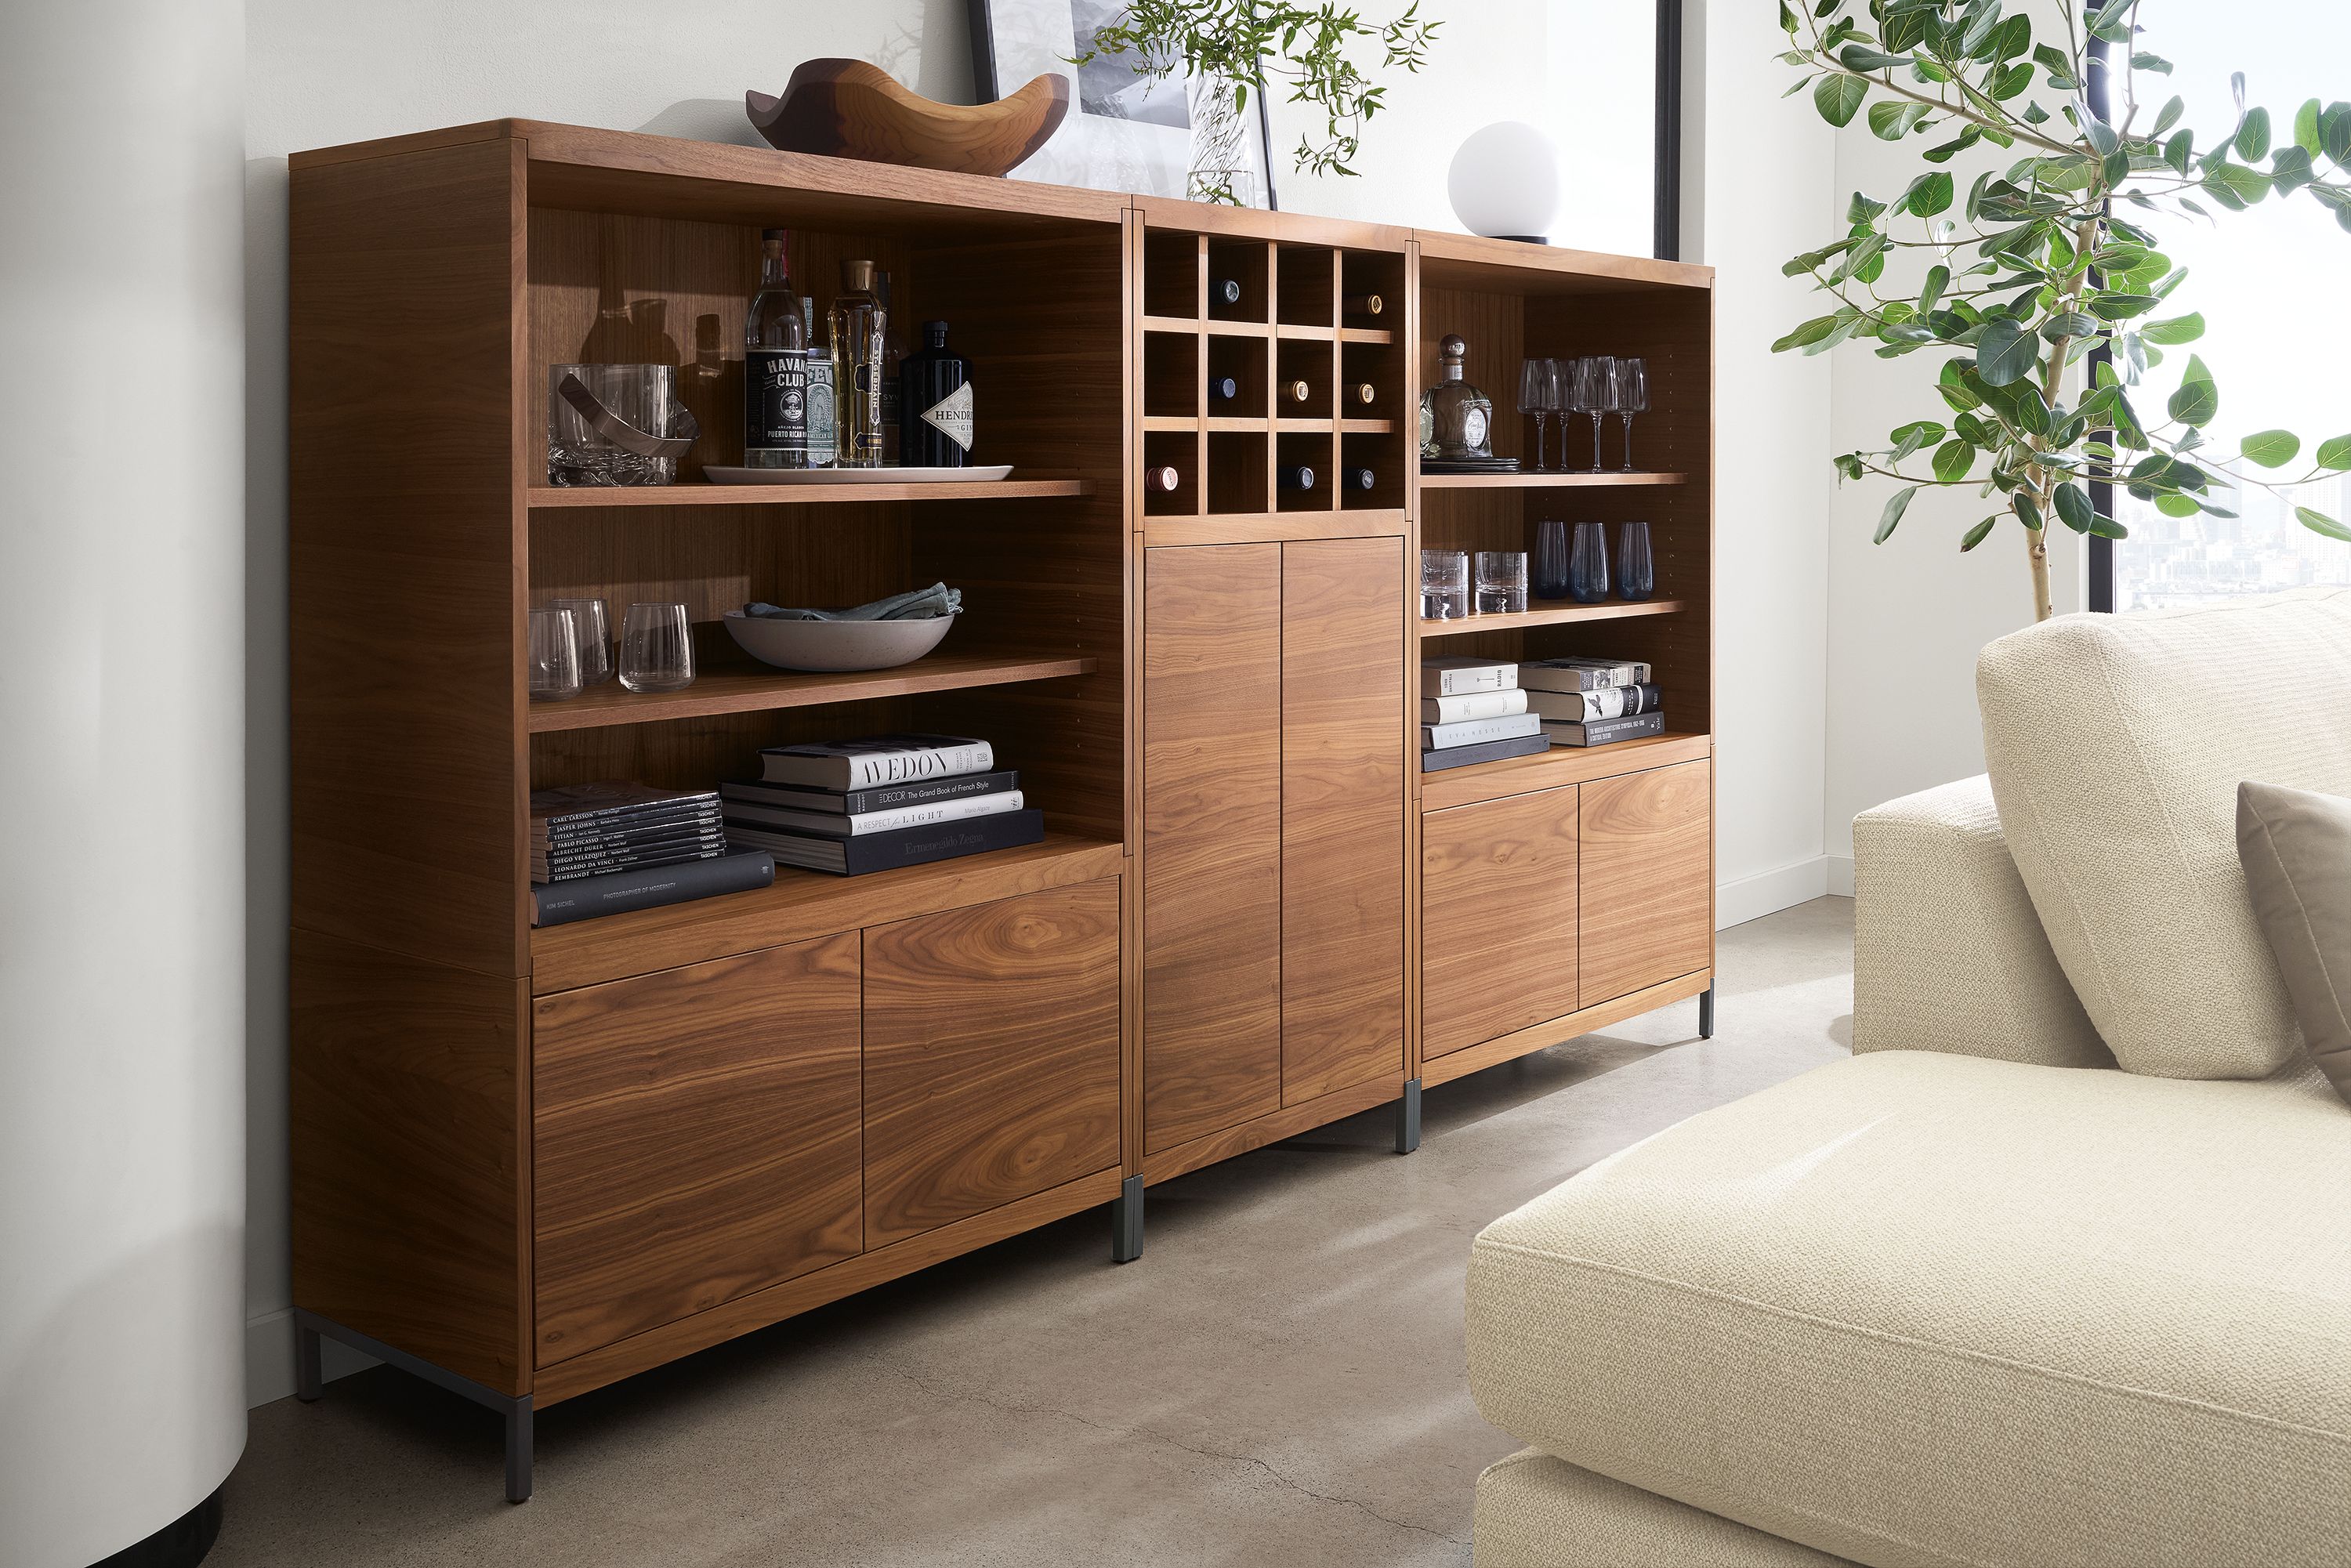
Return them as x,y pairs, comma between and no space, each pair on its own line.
1748,898
1841,875
269,1358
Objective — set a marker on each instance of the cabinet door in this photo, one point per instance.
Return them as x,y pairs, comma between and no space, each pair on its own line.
1498,930
1649,880
695,1137
1343,814
991,1056
1211,839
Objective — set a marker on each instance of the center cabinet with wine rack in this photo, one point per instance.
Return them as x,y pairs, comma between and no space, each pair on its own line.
529,1162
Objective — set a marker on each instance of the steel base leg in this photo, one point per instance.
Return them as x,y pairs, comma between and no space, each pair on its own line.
309,1382
1408,1127
310,1328
1126,1221
1705,1013
518,1442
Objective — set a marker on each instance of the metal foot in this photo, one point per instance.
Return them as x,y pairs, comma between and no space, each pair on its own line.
1408,1117
1126,1221
519,1441
1705,1013
309,1382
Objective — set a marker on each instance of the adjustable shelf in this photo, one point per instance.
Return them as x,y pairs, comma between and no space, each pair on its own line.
1544,481
1021,487
1549,616
763,691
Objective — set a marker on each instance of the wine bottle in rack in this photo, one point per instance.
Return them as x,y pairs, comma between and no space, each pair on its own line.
1223,389
1358,479
1362,392
1295,476
1161,477
1363,304
1225,292
1296,390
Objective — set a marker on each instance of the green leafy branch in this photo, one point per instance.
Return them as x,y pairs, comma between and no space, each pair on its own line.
2036,265
1254,44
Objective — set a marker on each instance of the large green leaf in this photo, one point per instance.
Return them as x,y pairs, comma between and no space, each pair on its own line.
2178,330
1811,332
2334,131
2177,506
2198,399
1938,277
2169,117
1892,119
1839,98
1976,536
2272,448
2336,453
2074,509
1914,437
2009,83
1953,459
1891,519
2005,352
2105,527
1930,194
2253,136
2305,129
2320,523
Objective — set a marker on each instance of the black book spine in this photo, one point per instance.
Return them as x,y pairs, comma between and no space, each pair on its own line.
943,840
571,868
884,797
648,887
1437,761
622,830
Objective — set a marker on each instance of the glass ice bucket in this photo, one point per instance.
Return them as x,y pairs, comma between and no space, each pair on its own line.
615,425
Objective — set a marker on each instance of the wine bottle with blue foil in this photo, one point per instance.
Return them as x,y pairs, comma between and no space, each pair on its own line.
934,409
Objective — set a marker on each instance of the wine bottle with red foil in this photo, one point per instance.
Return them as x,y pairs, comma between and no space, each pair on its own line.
935,408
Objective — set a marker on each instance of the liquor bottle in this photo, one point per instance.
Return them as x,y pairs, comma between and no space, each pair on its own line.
1295,476
858,324
820,391
1358,479
891,335
1224,292
1363,304
1297,390
1162,477
1223,389
1362,392
775,365
1456,420
935,403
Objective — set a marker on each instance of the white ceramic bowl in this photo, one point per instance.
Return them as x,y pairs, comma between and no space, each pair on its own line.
835,645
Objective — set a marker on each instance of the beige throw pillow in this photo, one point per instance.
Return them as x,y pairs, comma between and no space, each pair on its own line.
2297,848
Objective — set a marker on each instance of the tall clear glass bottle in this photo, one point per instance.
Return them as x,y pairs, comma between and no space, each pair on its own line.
820,389
893,336
858,324
775,365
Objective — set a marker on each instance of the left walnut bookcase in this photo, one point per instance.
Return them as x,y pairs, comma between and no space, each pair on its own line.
529,1162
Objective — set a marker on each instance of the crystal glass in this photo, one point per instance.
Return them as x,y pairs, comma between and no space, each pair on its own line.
1501,582
1551,555
657,648
593,631
1636,568
1560,396
642,397
554,655
1596,394
1632,398
1538,396
1444,585
1587,568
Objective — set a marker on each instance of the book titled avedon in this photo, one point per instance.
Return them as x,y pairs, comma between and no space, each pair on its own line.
876,760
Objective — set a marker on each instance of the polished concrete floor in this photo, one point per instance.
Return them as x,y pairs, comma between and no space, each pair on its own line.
1276,1381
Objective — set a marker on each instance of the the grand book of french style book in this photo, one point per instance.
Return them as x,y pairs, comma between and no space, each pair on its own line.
876,760
842,825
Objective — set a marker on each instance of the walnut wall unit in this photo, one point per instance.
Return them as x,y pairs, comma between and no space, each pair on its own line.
531,1162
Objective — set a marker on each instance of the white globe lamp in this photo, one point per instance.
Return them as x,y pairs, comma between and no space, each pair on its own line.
1504,183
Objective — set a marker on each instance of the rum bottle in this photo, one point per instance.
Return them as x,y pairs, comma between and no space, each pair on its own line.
858,323
775,366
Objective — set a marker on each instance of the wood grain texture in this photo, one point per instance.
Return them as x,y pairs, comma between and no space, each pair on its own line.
405,277
1025,485
1549,615
1552,1031
765,689
1560,765
1211,839
1342,819
991,1056
570,1379
1167,1162
410,1144
1647,885
1451,260
850,108
1498,927
695,1137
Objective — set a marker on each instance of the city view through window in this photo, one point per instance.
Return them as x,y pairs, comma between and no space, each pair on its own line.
2269,284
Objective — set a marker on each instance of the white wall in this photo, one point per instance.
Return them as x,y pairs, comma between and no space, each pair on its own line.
121,958
322,75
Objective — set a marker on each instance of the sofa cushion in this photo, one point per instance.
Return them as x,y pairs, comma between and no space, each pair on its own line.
2297,848
1923,1309
2115,744
1536,1511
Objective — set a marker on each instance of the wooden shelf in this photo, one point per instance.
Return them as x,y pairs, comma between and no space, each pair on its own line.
1560,765
1542,481
1551,615
1173,422
1033,485
744,691
1367,427
804,904
1290,333
1366,335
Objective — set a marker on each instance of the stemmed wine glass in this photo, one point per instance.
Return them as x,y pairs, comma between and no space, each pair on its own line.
1596,394
1632,398
1535,398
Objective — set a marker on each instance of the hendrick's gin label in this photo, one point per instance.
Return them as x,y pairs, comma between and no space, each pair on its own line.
934,404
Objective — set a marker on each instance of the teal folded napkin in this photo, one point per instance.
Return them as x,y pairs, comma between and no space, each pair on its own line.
921,604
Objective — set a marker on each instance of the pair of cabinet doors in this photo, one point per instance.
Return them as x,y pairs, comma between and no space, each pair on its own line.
709,1131
1274,749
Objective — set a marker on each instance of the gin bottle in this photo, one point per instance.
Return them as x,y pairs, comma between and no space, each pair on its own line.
1456,420
935,396
775,366
820,391
858,324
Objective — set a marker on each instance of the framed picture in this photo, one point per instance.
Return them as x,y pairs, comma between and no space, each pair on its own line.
1172,136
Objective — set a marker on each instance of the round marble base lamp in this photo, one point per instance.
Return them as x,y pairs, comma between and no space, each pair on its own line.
1504,183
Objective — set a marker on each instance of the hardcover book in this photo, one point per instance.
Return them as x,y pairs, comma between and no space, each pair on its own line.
648,887
906,846
836,825
610,831
1602,702
1471,732
876,760
578,805
588,862
1452,677
1580,674
853,802
1472,704
1601,731
1484,751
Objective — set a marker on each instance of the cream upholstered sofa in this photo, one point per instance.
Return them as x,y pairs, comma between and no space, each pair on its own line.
2057,1268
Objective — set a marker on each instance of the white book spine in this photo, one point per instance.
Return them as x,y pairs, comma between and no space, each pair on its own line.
835,825
1472,704
872,770
1453,678
1438,737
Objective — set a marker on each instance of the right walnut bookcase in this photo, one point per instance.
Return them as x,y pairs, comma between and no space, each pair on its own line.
1562,892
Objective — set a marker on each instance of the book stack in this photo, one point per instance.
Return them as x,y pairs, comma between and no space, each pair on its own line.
852,807
1593,702
1472,710
610,847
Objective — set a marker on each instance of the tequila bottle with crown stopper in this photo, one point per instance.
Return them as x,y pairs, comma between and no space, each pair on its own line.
1456,420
